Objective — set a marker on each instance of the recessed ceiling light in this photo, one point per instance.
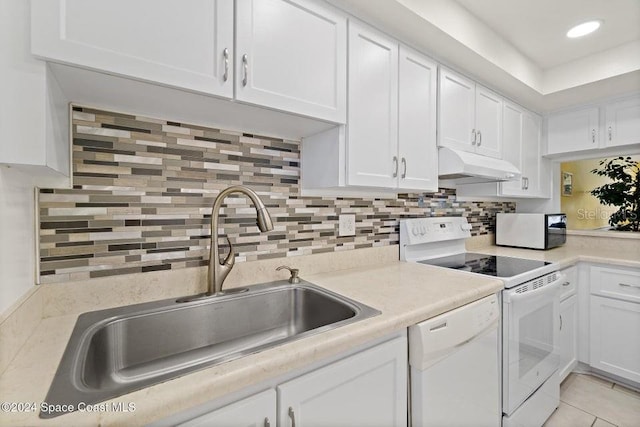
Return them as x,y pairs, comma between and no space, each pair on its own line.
583,29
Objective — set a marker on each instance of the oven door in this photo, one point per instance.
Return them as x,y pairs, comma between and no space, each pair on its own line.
529,340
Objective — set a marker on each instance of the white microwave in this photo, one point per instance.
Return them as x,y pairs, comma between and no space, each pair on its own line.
531,230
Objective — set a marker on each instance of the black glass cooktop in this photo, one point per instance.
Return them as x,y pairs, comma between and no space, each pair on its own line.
490,265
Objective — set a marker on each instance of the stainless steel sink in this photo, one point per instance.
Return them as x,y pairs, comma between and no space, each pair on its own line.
116,351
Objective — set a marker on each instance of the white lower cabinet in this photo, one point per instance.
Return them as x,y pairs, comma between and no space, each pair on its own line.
367,389
568,340
258,410
614,321
568,335
614,337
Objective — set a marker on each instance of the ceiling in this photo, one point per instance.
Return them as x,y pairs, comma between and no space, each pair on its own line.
538,28
519,47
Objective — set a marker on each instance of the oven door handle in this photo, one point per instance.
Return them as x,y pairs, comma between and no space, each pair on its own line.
551,287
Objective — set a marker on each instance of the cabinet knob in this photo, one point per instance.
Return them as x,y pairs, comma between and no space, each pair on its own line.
225,55
267,423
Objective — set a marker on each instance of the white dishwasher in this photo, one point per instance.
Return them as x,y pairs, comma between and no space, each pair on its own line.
455,366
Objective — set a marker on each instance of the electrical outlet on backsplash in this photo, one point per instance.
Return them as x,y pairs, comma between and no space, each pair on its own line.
143,189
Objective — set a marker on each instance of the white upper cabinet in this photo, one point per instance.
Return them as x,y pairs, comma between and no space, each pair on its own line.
488,123
372,131
521,136
573,131
418,152
389,142
470,116
456,111
291,56
622,121
512,123
186,44
531,155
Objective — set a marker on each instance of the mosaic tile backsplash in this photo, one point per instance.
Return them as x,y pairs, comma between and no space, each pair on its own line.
143,189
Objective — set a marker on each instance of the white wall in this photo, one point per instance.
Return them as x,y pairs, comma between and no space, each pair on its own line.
17,236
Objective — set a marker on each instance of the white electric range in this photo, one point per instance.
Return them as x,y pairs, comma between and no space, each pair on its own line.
530,312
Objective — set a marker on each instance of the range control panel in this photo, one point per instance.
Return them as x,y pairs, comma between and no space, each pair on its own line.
426,230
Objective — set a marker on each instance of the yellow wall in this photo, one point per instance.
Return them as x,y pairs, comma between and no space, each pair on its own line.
583,210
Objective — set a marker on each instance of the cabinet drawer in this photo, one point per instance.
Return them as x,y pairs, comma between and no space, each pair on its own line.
616,283
570,283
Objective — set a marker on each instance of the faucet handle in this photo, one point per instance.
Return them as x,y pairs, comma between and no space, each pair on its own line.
294,273
230,260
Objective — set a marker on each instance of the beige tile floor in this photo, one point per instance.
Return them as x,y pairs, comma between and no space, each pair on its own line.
589,401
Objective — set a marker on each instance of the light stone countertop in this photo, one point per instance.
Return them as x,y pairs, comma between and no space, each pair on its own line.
405,294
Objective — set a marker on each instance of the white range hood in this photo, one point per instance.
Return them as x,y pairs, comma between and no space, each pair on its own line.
460,167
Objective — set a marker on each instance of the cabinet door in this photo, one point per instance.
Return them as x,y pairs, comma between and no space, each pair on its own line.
573,131
614,332
623,123
180,44
456,112
418,151
488,123
291,56
367,389
531,155
258,410
568,340
372,130
512,137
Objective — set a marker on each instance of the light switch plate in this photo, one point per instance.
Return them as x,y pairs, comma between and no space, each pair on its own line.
346,225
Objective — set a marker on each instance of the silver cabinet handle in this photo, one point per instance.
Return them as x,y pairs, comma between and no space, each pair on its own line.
566,283
404,171
475,136
593,136
395,167
267,423
524,183
627,285
610,133
292,415
479,138
527,178
561,322
225,55
245,67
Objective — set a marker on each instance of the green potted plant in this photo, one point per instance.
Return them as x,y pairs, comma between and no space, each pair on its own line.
623,192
